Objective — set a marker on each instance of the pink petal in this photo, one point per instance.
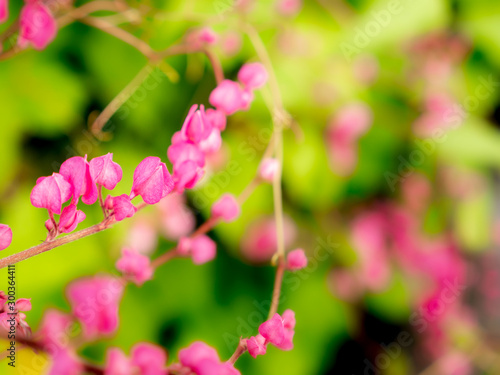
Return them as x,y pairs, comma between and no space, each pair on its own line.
253,75
37,26
5,236
117,363
227,208
203,249
23,304
149,358
273,330
296,260
105,171
227,97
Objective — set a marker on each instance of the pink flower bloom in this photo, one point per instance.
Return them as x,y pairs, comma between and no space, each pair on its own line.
50,193
204,360
273,330
289,7
149,359
152,181
55,329
201,248
296,260
70,218
117,363
65,362
268,168
4,10
217,119
76,171
187,175
22,304
135,266
289,322
182,151
120,206
94,302
105,171
36,25
256,345
226,208
5,236
253,75
195,127
176,219
198,38
212,143
227,97
231,43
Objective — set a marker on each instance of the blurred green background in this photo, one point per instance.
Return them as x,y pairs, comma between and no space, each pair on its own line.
46,99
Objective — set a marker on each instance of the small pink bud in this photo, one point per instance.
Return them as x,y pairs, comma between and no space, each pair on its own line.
296,260
226,97
253,75
198,38
212,143
226,208
4,10
247,97
70,218
152,181
135,266
217,119
256,345
117,363
201,248
5,236
23,304
121,206
55,329
195,127
268,168
149,359
105,171
187,175
76,171
182,151
37,25
51,192
272,330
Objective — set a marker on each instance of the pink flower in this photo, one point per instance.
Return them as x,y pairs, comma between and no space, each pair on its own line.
289,322
247,97
212,143
201,248
117,363
94,302
55,328
120,206
253,75
268,168
70,218
198,38
143,237
217,119
196,127
76,171
182,151
273,330
176,219
65,362
135,266
226,208
187,175
36,25
50,193
231,43
204,360
4,10
256,345
289,7
5,236
22,304
227,97
152,181
296,260
146,359
105,171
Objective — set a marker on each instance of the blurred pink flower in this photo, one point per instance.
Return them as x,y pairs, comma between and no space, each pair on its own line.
289,7
142,236
4,10
226,208
202,249
152,181
37,25
253,75
268,168
227,97
176,219
5,236
95,301
296,260
136,267
55,329
204,360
